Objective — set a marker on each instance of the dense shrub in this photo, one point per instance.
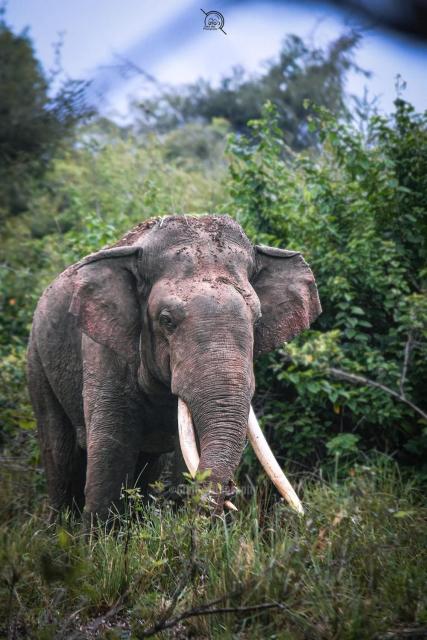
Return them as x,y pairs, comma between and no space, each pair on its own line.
357,210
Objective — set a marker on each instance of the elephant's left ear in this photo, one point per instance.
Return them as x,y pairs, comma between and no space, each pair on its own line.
287,291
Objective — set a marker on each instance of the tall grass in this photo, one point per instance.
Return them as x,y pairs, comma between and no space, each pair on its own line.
353,567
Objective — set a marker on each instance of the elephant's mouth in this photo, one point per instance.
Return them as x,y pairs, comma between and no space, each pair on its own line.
188,443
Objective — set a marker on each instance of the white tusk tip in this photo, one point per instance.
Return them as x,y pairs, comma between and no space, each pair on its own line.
229,505
270,464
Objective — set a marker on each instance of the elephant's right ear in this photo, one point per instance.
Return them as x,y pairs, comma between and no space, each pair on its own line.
105,299
288,295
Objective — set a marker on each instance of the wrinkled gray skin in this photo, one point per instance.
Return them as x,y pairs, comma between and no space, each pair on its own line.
178,307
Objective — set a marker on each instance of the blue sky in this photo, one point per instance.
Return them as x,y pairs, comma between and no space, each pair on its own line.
166,39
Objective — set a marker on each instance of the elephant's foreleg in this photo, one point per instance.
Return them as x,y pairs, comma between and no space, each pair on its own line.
111,462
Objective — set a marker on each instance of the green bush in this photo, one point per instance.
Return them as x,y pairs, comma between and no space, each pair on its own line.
357,210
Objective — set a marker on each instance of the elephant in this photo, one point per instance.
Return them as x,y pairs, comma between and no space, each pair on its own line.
147,347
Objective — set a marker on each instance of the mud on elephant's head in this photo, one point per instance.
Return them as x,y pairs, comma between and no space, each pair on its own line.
194,301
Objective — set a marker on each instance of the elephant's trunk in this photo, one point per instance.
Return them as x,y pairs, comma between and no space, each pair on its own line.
221,428
220,447
218,400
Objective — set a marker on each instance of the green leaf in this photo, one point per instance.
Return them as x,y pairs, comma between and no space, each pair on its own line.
403,514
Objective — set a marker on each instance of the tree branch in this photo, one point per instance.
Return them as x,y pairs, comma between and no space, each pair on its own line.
206,610
356,379
128,68
406,357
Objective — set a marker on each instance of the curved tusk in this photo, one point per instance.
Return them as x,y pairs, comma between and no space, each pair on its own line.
187,438
229,505
270,464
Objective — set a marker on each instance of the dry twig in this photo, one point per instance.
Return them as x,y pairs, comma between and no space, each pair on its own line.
356,379
206,610
406,357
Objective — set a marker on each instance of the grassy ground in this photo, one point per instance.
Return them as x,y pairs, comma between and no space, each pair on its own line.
354,567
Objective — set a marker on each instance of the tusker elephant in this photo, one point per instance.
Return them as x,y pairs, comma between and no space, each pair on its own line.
147,347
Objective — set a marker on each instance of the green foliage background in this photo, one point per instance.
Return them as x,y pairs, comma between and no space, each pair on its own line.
357,211
38,113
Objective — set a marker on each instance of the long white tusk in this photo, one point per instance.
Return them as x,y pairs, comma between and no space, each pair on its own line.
188,444
187,438
270,464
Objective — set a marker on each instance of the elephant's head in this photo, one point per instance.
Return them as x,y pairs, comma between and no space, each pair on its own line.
190,301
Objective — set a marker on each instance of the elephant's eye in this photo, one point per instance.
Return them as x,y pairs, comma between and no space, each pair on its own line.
165,321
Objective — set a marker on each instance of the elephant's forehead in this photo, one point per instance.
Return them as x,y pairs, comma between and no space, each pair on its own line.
218,229
200,256
216,233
